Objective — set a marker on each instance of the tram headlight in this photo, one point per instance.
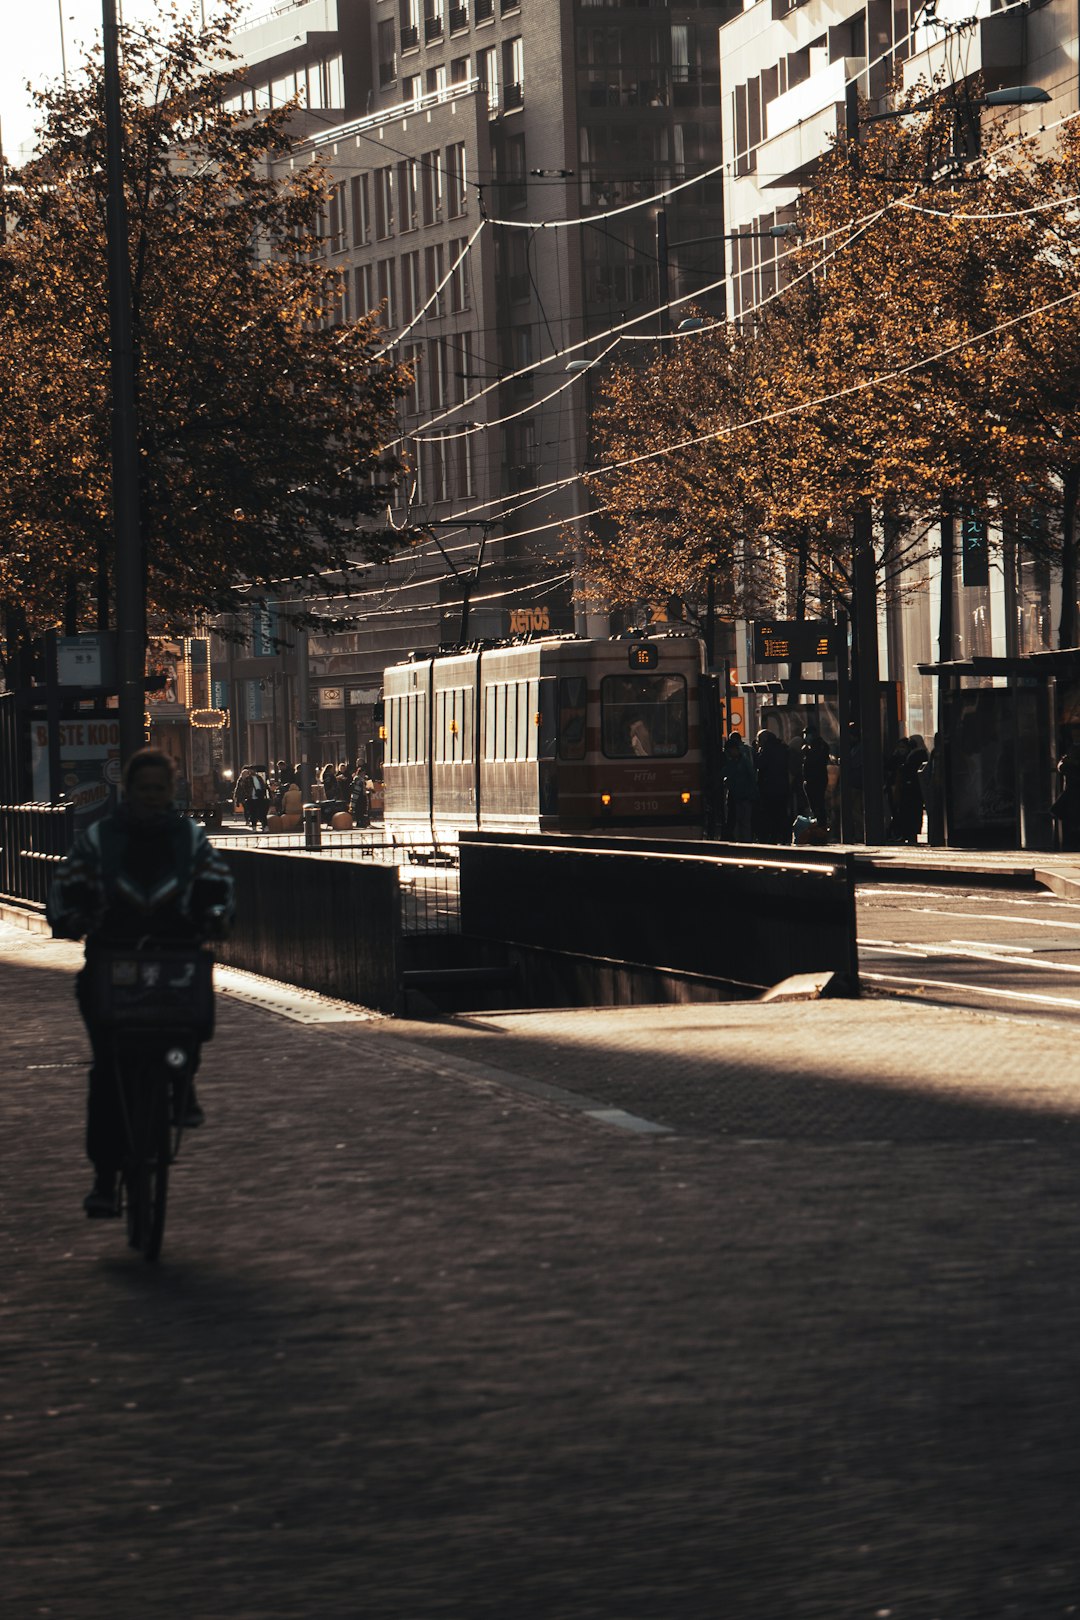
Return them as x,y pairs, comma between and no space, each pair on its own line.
685,797
605,800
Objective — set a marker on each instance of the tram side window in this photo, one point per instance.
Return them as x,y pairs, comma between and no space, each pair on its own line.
510,725
573,696
643,716
453,725
406,727
526,724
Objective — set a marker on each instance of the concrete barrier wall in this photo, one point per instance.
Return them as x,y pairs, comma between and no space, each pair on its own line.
330,925
748,917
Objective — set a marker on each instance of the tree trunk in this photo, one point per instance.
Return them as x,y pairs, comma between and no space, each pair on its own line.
1067,631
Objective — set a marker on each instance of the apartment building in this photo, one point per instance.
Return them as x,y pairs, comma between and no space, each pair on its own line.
457,139
785,69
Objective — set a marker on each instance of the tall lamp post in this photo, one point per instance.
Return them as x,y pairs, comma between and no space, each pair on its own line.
130,562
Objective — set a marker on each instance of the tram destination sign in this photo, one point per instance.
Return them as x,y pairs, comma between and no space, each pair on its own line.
796,641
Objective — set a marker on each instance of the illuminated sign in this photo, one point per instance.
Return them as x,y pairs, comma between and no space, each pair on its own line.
796,641
643,655
209,719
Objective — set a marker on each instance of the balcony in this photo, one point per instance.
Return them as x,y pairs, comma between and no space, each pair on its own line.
483,10
433,28
513,97
800,124
459,19
410,39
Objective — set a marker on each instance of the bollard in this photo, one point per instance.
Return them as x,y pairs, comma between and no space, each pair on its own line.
312,827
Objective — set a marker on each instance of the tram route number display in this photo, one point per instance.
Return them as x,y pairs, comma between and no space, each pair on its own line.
796,641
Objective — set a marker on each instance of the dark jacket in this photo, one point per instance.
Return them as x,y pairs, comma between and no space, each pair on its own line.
127,878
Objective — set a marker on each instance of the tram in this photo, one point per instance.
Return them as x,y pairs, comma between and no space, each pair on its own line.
557,734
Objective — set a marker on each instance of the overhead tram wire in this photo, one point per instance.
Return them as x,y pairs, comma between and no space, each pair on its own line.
539,491
623,331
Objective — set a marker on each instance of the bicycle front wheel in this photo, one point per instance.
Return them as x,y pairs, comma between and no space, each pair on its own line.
147,1176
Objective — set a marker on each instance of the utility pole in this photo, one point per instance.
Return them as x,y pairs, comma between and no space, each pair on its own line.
869,690
130,561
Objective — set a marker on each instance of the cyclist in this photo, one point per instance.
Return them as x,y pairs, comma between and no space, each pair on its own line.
145,870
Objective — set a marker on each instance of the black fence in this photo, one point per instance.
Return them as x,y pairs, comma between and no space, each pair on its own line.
739,917
328,925
33,838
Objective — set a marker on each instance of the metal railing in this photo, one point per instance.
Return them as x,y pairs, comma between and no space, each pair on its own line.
427,872
34,838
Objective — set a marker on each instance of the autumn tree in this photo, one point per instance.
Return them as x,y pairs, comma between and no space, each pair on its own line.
677,524
261,425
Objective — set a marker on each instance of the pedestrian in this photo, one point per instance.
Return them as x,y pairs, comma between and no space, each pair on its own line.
360,797
741,789
257,808
814,774
774,789
242,793
894,776
910,806
1066,807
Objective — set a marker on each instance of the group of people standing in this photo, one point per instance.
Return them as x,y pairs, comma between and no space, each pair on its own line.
776,791
259,793
770,788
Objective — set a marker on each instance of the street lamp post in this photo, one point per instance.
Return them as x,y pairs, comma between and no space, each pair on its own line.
130,562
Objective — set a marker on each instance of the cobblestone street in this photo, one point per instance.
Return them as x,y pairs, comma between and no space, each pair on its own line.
445,1326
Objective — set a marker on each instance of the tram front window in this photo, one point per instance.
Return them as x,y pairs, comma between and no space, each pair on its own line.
643,716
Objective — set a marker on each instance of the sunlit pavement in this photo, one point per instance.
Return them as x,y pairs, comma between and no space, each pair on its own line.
739,1311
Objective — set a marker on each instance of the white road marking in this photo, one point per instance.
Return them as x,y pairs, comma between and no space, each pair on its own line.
987,953
991,916
975,990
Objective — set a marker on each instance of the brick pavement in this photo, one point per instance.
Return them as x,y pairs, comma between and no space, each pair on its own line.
428,1340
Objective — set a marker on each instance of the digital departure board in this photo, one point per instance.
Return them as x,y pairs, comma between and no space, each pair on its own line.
795,641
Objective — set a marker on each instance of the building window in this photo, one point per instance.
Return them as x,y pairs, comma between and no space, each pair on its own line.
361,210
387,292
459,70
408,203
487,68
410,88
364,289
436,81
411,298
438,395
384,203
336,240
435,266
455,180
514,72
433,19
387,52
412,357
459,279
409,15
432,187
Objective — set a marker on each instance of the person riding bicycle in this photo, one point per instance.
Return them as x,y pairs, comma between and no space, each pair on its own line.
145,870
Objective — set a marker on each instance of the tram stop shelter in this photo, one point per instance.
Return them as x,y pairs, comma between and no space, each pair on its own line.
1003,724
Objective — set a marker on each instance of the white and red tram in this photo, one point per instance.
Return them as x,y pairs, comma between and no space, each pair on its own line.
552,735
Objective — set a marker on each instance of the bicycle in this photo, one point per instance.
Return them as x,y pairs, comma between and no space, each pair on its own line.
158,1003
